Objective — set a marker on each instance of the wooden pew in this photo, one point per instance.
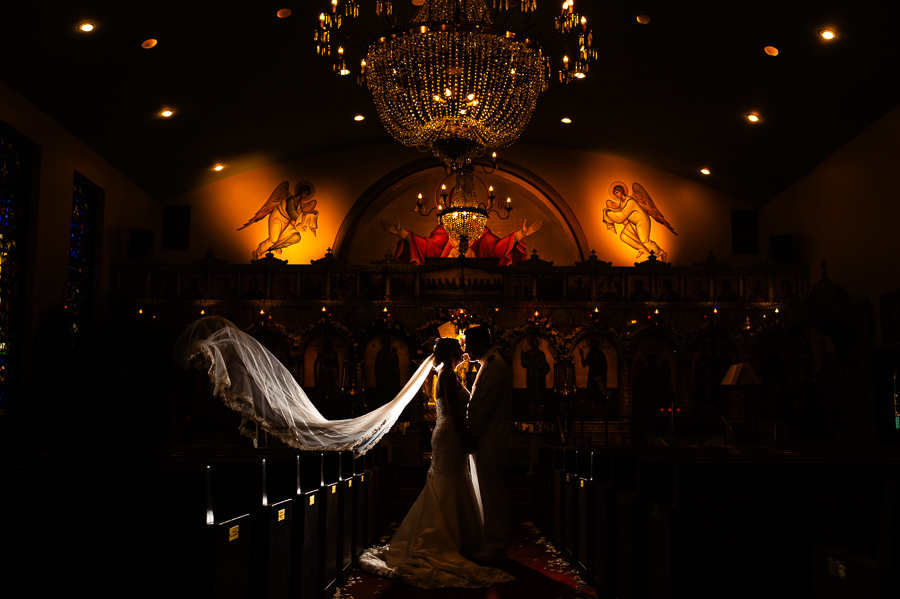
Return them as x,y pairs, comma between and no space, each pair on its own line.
141,525
360,500
305,525
346,515
767,514
385,491
330,540
586,562
570,516
556,528
542,485
611,470
372,472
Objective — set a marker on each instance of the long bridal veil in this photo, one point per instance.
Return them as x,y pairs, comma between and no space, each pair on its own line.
251,381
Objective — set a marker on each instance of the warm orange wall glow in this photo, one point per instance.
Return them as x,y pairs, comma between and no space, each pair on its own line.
700,215
221,207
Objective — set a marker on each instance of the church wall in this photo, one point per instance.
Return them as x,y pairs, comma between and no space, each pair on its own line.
700,215
845,212
125,204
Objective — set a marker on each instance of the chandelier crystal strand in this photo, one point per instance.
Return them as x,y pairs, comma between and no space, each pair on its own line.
450,80
463,218
453,82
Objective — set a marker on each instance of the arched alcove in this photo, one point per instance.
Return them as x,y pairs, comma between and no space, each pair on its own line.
361,237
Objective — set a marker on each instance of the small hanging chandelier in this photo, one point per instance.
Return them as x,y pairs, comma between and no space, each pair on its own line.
453,80
459,211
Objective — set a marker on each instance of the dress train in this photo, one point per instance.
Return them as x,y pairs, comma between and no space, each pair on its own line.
443,526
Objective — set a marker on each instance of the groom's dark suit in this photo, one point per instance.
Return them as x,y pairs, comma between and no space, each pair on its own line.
488,419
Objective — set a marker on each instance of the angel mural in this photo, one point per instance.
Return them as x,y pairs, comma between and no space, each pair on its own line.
634,212
289,215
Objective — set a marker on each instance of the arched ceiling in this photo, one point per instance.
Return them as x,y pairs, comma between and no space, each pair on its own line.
248,89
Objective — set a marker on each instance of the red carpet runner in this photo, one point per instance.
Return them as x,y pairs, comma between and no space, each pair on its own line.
539,568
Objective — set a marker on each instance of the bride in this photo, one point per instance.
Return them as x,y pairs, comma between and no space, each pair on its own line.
444,524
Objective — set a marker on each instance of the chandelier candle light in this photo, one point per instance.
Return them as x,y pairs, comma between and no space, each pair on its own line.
453,79
459,211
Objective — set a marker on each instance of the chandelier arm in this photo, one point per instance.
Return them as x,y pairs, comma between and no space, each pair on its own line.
441,203
530,27
371,30
513,14
501,217
352,43
486,191
489,172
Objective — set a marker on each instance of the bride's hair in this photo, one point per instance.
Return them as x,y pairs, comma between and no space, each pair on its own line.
444,348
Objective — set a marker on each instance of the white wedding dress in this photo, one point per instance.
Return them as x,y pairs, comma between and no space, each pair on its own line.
443,525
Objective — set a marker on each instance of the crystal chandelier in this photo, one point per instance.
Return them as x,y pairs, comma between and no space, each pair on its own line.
454,79
459,210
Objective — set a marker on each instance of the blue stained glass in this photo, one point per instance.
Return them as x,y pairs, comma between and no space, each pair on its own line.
81,258
13,181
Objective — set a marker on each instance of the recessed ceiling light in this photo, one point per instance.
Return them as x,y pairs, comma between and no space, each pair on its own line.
218,167
827,34
753,117
359,117
167,112
87,27
643,19
771,50
284,13
705,171
148,43
566,120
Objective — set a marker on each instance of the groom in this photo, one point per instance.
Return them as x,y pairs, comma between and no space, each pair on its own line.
488,417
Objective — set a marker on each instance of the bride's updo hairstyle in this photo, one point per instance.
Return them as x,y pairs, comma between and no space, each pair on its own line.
444,348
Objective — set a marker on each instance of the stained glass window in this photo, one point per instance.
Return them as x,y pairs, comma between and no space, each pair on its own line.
14,178
79,294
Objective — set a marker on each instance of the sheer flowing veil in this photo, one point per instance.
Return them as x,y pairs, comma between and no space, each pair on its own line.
250,380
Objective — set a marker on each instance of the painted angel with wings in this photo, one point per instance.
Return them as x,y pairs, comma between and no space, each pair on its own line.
289,215
634,212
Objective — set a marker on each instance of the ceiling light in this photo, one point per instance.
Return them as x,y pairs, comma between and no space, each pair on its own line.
771,50
218,167
359,117
566,120
284,13
148,44
827,34
705,171
753,117
86,27
167,112
643,19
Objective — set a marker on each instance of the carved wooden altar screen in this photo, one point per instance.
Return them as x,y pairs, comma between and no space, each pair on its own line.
666,339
